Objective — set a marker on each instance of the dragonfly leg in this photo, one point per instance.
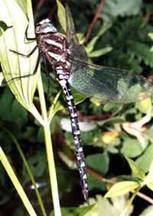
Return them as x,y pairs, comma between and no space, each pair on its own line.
26,75
24,55
26,33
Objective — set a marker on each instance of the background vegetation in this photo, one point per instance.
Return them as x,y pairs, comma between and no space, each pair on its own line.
115,33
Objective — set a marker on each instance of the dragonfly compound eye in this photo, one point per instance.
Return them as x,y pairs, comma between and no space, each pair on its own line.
45,26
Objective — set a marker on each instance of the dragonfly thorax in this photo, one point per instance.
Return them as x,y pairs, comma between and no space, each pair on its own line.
55,47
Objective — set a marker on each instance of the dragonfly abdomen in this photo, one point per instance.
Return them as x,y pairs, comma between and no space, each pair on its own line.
76,137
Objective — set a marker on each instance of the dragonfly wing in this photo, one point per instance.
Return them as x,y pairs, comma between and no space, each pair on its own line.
70,28
110,84
76,49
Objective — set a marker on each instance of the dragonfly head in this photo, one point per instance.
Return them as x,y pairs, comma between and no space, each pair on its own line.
45,26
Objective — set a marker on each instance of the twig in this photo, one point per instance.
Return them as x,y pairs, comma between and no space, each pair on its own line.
97,175
96,17
83,117
145,197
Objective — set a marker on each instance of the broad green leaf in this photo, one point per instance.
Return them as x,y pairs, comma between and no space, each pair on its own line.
131,148
13,65
121,188
136,171
145,160
61,15
144,105
112,207
22,4
98,162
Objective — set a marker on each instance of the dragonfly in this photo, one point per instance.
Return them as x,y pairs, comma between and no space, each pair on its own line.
70,62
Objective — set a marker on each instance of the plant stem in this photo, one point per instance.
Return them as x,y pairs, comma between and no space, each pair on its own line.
16,183
27,167
49,152
29,171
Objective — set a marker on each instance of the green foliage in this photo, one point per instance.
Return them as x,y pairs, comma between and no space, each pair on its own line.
131,148
115,8
74,211
145,160
11,110
123,38
121,188
98,162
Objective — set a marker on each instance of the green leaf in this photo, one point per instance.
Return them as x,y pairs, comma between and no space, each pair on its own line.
143,53
95,184
131,148
114,8
90,46
100,52
136,171
121,188
55,107
61,15
13,65
99,162
150,35
145,160
22,4
111,207
78,97
144,105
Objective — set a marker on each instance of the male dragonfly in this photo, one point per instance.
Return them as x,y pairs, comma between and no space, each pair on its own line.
70,62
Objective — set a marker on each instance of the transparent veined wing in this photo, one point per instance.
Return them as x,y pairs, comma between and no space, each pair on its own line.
106,83
77,50
109,84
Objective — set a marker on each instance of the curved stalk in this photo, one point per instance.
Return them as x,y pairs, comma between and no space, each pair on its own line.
6,164
27,167
49,151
